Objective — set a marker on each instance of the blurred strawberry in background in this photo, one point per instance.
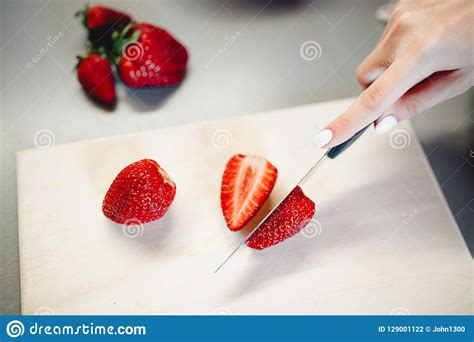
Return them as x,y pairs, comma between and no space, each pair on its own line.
144,55
150,57
97,79
101,22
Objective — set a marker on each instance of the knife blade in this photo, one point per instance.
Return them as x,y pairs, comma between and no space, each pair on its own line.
330,154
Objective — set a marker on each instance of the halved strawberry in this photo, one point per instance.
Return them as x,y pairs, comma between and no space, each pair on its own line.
246,184
291,216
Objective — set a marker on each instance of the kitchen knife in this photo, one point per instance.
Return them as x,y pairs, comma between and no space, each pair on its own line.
332,153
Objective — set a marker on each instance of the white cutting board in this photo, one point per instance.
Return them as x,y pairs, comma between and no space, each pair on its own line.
383,239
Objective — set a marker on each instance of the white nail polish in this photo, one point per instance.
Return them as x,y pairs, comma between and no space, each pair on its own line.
386,124
322,138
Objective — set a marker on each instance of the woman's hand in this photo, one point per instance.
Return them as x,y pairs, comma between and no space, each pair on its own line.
425,56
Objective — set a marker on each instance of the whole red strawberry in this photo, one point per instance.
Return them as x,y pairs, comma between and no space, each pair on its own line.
291,216
101,21
246,185
95,75
142,192
100,17
155,59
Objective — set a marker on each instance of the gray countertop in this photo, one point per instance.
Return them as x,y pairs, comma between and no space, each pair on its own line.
244,58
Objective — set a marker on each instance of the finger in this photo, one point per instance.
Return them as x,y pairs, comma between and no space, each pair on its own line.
374,64
380,57
395,37
389,87
369,71
379,60
426,94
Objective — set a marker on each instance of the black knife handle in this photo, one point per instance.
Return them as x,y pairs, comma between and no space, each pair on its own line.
337,150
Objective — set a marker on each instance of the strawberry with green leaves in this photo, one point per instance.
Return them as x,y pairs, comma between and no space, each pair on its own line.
101,22
144,55
149,56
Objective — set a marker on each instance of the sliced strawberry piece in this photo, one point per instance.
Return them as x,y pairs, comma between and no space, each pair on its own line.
142,192
291,216
246,184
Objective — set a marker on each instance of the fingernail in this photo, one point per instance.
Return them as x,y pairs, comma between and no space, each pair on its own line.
386,124
322,138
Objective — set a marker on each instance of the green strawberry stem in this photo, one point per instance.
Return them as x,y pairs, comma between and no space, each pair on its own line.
82,13
92,50
119,40
122,39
